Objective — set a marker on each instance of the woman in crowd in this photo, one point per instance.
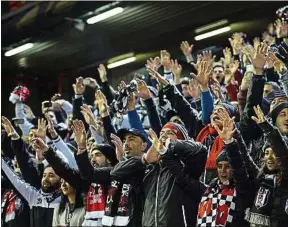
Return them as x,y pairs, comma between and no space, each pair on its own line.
70,211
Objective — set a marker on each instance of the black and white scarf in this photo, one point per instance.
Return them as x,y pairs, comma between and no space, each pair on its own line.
217,205
261,209
116,209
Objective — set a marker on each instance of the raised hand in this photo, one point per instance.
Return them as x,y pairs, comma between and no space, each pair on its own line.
101,103
91,82
99,129
259,59
236,43
230,71
80,134
165,59
154,63
102,73
199,59
157,76
142,90
79,86
194,89
203,75
156,143
187,50
42,128
152,155
88,115
9,129
256,42
39,146
176,70
51,128
227,56
207,56
119,147
228,128
260,118
274,61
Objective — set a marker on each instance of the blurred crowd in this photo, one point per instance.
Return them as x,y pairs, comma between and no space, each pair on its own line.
162,150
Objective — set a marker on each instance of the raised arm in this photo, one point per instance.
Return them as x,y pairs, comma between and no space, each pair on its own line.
19,113
26,161
188,115
104,84
248,128
244,185
98,175
78,101
63,170
27,191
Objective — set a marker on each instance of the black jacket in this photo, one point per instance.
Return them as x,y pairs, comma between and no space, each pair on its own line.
166,203
126,172
279,145
250,131
184,109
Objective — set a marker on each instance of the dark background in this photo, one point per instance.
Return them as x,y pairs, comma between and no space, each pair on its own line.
62,52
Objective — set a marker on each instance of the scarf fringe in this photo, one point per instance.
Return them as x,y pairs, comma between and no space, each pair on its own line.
259,219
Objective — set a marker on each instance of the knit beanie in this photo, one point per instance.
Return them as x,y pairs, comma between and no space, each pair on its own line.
275,86
222,157
275,94
180,131
108,151
277,109
232,111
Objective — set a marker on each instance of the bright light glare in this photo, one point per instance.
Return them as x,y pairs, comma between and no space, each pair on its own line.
19,49
105,15
121,62
212,33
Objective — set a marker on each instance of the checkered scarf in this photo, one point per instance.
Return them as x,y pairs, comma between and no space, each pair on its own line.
217,206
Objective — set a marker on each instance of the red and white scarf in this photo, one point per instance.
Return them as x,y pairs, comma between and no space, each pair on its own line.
95,206
217,206
9,202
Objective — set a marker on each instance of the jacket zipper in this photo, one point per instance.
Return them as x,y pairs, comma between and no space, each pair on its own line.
156,200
